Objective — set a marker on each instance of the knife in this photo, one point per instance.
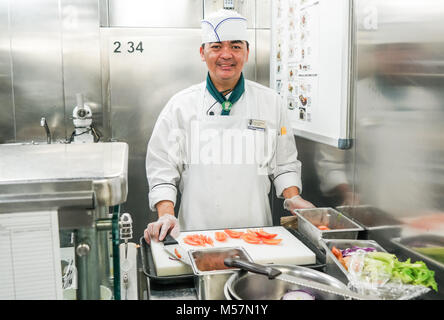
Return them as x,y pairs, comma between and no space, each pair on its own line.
173,248
273,273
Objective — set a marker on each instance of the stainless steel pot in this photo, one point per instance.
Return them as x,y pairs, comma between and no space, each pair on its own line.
244,285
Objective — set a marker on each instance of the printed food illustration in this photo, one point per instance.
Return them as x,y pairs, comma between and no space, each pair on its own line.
303,100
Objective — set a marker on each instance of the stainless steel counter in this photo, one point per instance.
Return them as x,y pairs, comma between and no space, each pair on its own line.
60,175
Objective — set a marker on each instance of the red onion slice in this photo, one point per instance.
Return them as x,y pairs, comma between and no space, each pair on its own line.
298,295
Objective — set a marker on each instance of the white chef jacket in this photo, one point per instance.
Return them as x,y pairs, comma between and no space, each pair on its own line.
183,155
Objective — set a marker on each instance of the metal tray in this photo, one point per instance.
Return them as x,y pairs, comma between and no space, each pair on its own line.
409,244
149,269
333,266
212,259
376,223
341,227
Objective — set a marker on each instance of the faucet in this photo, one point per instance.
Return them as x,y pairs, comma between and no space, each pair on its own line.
44,124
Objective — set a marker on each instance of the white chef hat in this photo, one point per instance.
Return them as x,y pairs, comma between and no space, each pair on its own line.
224,25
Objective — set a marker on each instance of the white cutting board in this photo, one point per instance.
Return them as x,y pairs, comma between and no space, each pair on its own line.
289,251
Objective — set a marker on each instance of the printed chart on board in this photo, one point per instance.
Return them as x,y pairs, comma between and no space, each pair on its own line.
310,67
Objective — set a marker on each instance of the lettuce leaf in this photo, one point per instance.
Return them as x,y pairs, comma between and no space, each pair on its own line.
379,264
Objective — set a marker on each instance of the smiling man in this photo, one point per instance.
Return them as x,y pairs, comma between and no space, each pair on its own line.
205,137
225,61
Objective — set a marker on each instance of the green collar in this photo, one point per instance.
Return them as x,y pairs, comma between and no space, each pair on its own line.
235,95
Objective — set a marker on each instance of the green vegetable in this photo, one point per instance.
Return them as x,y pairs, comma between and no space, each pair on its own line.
436,253
378,265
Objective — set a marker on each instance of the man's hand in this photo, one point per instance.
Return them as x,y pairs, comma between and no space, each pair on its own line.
159,229
294,201
297,202
167,222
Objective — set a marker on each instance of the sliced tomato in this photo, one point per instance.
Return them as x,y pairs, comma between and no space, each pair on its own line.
198,240
252,241
209,240
194,240
271,241
323,228
250,238
263,234
220,236
191,242
177,253
202,239
336,252
233,234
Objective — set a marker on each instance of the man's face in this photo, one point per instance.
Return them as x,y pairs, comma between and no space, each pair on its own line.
225,60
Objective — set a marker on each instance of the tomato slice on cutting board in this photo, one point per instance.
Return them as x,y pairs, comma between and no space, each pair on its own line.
209,240
263,234
198,240
220,236
250,238
177,253
233,234
271,241
191,242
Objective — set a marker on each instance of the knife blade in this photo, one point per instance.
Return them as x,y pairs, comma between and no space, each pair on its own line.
173,248
273,273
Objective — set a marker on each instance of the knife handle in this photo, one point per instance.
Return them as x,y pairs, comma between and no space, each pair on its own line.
268,271
169,240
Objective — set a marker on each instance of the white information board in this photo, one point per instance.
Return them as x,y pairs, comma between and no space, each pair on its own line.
310,67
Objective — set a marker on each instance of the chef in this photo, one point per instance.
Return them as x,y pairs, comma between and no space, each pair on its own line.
221,143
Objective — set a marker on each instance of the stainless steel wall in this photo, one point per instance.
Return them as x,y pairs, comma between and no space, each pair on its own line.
7,120
400,105
49,51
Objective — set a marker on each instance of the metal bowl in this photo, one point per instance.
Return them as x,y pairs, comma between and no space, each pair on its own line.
244,285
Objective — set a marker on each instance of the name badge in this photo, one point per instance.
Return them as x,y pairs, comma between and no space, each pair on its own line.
256,124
